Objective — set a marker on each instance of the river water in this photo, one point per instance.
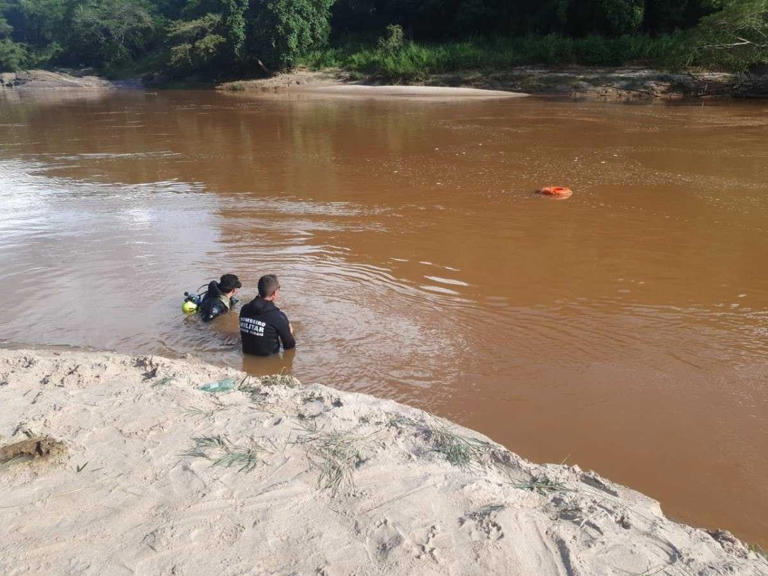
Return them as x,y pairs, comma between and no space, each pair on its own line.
624,330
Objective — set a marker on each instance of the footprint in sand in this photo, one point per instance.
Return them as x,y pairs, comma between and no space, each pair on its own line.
383,539
482,524
427,550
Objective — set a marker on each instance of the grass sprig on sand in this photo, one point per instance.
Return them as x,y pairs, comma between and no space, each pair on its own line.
222,452
279,380
336,454
162,382
203,413
258,390
485,511
542,485
457,449
246,458
199,412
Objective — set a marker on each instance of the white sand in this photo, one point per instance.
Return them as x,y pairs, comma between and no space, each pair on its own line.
335,83
399,91
143,503
47,80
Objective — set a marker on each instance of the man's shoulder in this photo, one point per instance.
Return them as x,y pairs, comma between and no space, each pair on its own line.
247,308
258,307
279,319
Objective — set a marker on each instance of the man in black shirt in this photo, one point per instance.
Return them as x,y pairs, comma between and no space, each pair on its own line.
219,298
263,326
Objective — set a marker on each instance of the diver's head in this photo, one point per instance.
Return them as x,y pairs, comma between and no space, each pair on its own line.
229,284
269,287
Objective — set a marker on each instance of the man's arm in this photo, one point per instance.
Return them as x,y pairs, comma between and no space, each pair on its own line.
286,333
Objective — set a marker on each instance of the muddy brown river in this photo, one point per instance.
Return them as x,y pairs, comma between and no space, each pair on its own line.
624,330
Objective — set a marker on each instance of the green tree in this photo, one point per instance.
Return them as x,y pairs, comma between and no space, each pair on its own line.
663,16
280,31
195,45
13,55
42,22
5,28
606,17
234,25
109,32
212,36
736,37
618,17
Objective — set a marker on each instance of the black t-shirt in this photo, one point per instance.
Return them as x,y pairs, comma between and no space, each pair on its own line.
263,327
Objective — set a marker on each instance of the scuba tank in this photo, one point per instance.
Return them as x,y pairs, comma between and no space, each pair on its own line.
191,302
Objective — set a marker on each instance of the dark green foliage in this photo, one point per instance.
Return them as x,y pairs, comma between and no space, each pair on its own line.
735,38
397,39
415,60
209,40
442,19
281,31
233,20
13,55
5,28
195,45
109,32
665,16
394,40
606,17
75,32
38,22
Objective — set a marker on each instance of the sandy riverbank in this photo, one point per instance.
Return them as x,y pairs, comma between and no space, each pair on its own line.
36,80
336,83
121,465
580,83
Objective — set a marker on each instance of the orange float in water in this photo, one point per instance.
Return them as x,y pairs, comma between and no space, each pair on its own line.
557,192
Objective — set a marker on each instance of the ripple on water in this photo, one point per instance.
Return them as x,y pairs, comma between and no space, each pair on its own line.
420,266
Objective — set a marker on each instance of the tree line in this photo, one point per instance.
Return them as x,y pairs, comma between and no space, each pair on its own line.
219,38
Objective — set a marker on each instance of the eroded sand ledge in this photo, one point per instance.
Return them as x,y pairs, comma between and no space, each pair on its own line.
625,84
35,80
159,477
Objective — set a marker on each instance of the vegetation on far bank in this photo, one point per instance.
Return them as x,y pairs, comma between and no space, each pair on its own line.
404,60
397,40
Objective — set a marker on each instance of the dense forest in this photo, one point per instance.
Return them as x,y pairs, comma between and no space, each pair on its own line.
228,38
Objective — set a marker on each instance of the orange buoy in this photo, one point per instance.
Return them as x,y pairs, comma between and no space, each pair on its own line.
557,192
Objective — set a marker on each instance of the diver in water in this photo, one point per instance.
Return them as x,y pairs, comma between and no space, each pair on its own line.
219,298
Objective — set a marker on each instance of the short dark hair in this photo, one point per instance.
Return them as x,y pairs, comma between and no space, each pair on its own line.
268,285
228,283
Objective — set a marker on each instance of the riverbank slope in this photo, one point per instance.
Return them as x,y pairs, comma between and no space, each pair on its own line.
607,84
115,464
52,80
580,83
